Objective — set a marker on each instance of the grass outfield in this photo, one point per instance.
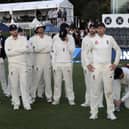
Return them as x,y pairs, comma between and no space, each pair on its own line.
62,116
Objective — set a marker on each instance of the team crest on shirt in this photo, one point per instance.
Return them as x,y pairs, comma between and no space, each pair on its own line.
107,42
63,49
37,69
110,76
11,73
93,77
96,42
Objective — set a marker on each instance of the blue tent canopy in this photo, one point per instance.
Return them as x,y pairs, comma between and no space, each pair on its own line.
51,28
4,27
76,53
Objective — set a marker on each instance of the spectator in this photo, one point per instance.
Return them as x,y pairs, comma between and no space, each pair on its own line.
64,15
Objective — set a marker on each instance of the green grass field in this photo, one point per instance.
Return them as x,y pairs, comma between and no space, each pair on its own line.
62,116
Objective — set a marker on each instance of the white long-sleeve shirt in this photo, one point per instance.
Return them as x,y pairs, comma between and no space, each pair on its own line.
86,40
16,50
0,48
62,50
1,60
124,81
101,48
42,48
30,55
41,45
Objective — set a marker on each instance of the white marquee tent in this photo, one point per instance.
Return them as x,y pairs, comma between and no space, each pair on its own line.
36,5
28,7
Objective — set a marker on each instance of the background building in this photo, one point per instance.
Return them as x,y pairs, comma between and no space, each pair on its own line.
120,6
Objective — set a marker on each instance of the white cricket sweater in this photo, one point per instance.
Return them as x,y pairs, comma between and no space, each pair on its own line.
62,50
16,50
101,48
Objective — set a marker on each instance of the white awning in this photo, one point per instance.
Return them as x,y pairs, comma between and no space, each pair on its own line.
35,5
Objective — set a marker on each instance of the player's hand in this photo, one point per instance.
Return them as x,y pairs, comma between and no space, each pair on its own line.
1,60
90,68
112,67
118,103
66,39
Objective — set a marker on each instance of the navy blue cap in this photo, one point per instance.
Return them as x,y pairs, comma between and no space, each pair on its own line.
92,25
101,25
20,29
117,73
63,26
12,27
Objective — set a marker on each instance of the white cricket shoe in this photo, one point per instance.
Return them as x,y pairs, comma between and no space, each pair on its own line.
27,107
71,103
93,116
85,105
117,109
16,107
49,100
55,102
111,116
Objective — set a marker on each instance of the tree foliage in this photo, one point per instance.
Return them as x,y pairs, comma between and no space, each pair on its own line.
88,9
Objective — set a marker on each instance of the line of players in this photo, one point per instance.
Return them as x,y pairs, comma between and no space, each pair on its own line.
30,62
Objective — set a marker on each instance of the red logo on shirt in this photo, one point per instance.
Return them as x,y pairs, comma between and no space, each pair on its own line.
96,42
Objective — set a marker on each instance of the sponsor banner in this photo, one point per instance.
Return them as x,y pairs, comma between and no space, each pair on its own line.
124,55
116,20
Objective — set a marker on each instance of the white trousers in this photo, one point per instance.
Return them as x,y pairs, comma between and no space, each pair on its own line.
41,89
126,103
42,73
117,92
116,89
87,86
63,72
87,79
102,73
8,91
30,81
18,78
3,77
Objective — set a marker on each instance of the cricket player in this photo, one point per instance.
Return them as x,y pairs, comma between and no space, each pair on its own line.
102,70
16,47
87,74
2,64
30,63
121,78
63,47
42,45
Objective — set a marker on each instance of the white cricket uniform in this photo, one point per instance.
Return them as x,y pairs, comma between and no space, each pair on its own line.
30,68
29,72
42,65
16,52
41,89
2,76
87,74
101,48
62,66
117,87
2,73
